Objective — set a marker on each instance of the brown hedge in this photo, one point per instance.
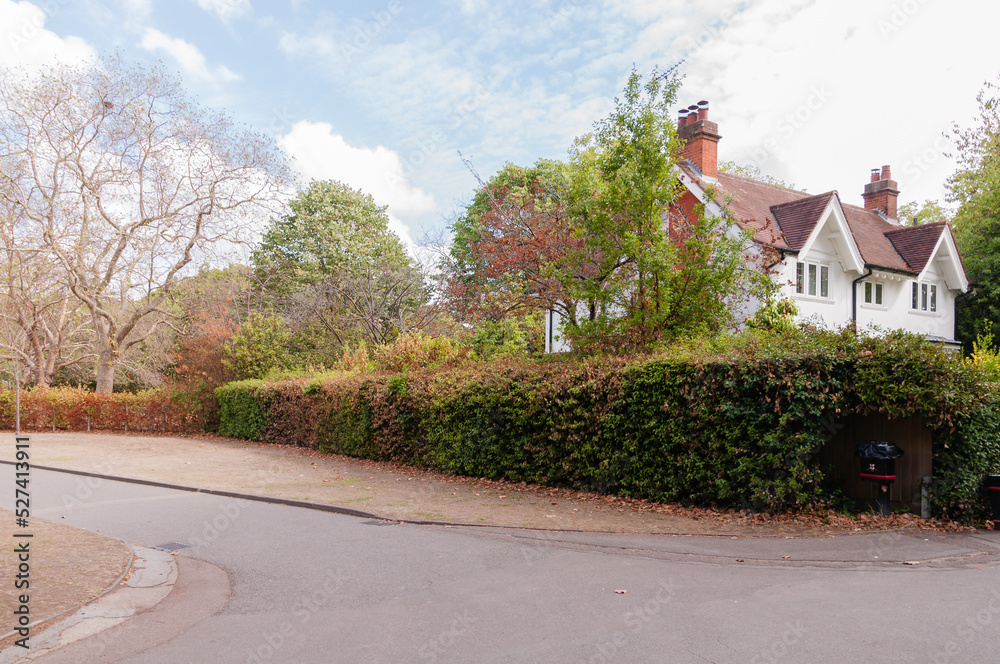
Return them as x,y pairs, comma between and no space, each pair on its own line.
78,409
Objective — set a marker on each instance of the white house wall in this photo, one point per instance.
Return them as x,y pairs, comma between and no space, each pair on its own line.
831,312
894,313
897,311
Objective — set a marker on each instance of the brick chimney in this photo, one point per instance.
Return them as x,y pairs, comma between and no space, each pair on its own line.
880,194
701,138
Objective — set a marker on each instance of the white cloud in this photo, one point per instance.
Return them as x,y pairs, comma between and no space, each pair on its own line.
27,43
320,154
817,93
139,9
187,56
226,10
294,44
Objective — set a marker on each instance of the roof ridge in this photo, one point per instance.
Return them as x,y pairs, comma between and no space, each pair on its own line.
762,183
828,194
917,227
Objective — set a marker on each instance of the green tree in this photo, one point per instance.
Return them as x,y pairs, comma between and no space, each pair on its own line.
975,188
657,278
331,228
752,172
335,265
591,238
261,344
917,214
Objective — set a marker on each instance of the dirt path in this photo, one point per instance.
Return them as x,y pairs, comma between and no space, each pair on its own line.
68,567
399,492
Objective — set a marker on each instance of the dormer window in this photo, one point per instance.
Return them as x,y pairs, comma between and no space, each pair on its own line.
923,297
812,279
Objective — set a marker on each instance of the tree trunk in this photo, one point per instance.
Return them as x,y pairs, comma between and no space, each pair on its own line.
106,371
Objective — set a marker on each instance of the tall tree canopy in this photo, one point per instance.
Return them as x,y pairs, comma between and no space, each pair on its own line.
975,187
591,238
122,180
513,245
334,262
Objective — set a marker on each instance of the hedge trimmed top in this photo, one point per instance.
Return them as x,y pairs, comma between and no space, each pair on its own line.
731,421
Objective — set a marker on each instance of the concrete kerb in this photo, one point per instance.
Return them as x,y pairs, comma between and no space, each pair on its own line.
4,658
423,522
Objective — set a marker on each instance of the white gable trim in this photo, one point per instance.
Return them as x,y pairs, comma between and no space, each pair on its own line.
843,240
954,272
712,209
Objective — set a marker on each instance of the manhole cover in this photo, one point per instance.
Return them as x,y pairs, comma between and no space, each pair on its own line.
172,546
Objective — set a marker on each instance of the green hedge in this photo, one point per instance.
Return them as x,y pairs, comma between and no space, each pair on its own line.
242,409
735,421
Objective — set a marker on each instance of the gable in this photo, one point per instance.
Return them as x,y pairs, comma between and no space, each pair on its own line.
947,262
798,219
916,244
831,234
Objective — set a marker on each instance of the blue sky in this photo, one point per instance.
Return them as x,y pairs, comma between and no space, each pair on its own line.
383,95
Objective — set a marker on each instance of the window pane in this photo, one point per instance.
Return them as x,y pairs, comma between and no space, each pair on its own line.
933,298
923,297
800,277
824,281
812,279
878,293
868,292
913,304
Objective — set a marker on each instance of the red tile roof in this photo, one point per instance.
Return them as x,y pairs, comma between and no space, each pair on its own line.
750,203
869,231
916,243
797,219
784,218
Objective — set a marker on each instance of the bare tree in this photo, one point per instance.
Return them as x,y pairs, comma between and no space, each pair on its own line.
376,302
126,181
44,328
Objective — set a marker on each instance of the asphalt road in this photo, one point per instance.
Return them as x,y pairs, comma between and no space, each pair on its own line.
310,586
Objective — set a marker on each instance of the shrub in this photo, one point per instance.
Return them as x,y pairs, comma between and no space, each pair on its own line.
728,421
78,409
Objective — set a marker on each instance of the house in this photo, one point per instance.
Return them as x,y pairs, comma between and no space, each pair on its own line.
839,262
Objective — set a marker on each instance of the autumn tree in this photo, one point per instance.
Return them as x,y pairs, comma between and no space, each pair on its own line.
515,247
124,181
210,306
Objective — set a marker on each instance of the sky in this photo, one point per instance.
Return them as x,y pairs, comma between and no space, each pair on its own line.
385,95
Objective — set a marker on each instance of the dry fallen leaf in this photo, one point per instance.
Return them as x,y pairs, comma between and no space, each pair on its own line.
912,562
739,560
786,556
621,592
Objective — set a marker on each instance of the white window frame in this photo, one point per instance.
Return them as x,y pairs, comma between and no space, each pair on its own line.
924,298
811,278
874,294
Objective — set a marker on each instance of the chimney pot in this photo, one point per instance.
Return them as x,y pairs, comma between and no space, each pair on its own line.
701,137
702,110
881,193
